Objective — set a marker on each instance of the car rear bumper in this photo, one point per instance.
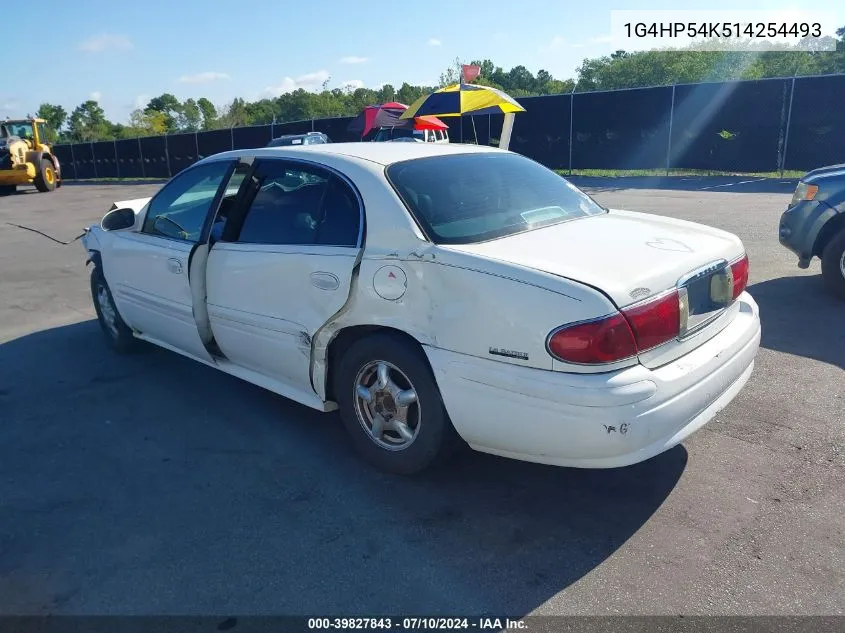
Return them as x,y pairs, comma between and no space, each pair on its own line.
596,420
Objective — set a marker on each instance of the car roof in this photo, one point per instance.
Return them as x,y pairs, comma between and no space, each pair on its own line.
299,135
381,153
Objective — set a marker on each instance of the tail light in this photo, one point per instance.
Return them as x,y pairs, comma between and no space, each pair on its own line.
603,341
655,321
633,330
739,271
620,335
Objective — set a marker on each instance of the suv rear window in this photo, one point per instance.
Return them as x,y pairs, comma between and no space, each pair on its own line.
469,198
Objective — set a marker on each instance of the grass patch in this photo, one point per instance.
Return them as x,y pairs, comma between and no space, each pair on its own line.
621,173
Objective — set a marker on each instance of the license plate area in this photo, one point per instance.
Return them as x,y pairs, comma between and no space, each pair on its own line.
704,295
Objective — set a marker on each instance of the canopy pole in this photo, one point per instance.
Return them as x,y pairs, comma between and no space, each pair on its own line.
507,128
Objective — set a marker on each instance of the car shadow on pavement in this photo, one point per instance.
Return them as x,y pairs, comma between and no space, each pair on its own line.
799,317
152,484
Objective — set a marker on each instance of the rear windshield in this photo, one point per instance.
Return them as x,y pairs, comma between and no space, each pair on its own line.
468,198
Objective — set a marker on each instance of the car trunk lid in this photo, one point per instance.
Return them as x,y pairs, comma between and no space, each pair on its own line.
631,257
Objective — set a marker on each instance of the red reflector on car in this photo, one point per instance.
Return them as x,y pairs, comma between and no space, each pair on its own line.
595,342
739,270
655,322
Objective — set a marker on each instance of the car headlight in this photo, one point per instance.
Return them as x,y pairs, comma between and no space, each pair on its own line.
803,192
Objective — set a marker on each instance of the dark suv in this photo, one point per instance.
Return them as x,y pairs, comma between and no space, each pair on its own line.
813,224
310,138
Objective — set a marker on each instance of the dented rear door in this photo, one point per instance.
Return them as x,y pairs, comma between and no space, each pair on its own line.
283,268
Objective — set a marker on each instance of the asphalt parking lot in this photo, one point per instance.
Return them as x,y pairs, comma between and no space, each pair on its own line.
151,484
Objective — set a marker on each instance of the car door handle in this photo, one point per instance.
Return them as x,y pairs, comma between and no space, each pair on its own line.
325,281
174,266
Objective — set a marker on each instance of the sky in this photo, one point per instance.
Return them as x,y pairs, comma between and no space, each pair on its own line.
123,53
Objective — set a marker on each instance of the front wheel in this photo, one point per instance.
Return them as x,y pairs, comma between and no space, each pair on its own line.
391,406
118,335
833,265
45,180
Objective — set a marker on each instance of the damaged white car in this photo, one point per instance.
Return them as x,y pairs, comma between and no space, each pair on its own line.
435,293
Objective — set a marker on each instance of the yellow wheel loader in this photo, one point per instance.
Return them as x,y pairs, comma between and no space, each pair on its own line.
25,157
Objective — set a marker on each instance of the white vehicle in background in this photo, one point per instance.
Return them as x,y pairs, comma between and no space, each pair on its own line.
433,293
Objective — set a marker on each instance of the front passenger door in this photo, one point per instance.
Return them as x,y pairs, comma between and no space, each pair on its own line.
147,270
284,268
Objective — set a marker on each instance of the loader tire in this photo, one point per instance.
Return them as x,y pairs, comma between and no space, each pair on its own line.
45,180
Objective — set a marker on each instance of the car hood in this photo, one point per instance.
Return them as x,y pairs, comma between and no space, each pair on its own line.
627,255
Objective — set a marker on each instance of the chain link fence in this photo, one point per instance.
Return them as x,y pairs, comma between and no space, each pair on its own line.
762,126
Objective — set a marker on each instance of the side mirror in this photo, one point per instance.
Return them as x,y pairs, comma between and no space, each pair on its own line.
118,219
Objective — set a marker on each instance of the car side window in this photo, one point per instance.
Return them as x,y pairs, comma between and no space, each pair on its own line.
341,218
179,210
299,205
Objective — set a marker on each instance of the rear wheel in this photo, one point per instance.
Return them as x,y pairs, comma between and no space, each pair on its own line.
118,334
391,406
45,180
833,265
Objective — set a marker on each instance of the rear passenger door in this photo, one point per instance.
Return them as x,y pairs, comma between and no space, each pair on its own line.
283,266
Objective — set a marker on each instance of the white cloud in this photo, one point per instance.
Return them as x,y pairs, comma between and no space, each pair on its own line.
96,95
352,59
9,105
434,42
202,78
352,85
310,82
106,42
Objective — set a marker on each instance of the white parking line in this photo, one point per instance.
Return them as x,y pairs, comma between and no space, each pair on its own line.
731,184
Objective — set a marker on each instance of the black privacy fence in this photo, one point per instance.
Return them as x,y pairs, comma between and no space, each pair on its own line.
768,125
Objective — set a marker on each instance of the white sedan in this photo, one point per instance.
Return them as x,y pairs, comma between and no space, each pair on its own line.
435,293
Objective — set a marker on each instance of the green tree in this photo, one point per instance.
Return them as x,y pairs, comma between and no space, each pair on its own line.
88,123
55,115
190,116
236,114
208,112
169,106
146,123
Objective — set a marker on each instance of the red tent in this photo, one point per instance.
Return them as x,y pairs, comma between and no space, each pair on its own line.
387,115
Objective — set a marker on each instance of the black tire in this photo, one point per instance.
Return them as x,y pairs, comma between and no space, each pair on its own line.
119,337
833,265
45,180
435,439
7,190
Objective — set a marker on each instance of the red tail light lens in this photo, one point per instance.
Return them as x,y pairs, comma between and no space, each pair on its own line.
619,336
655,322
595,342
739,270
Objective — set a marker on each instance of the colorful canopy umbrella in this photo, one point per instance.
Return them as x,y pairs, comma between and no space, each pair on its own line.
459,99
